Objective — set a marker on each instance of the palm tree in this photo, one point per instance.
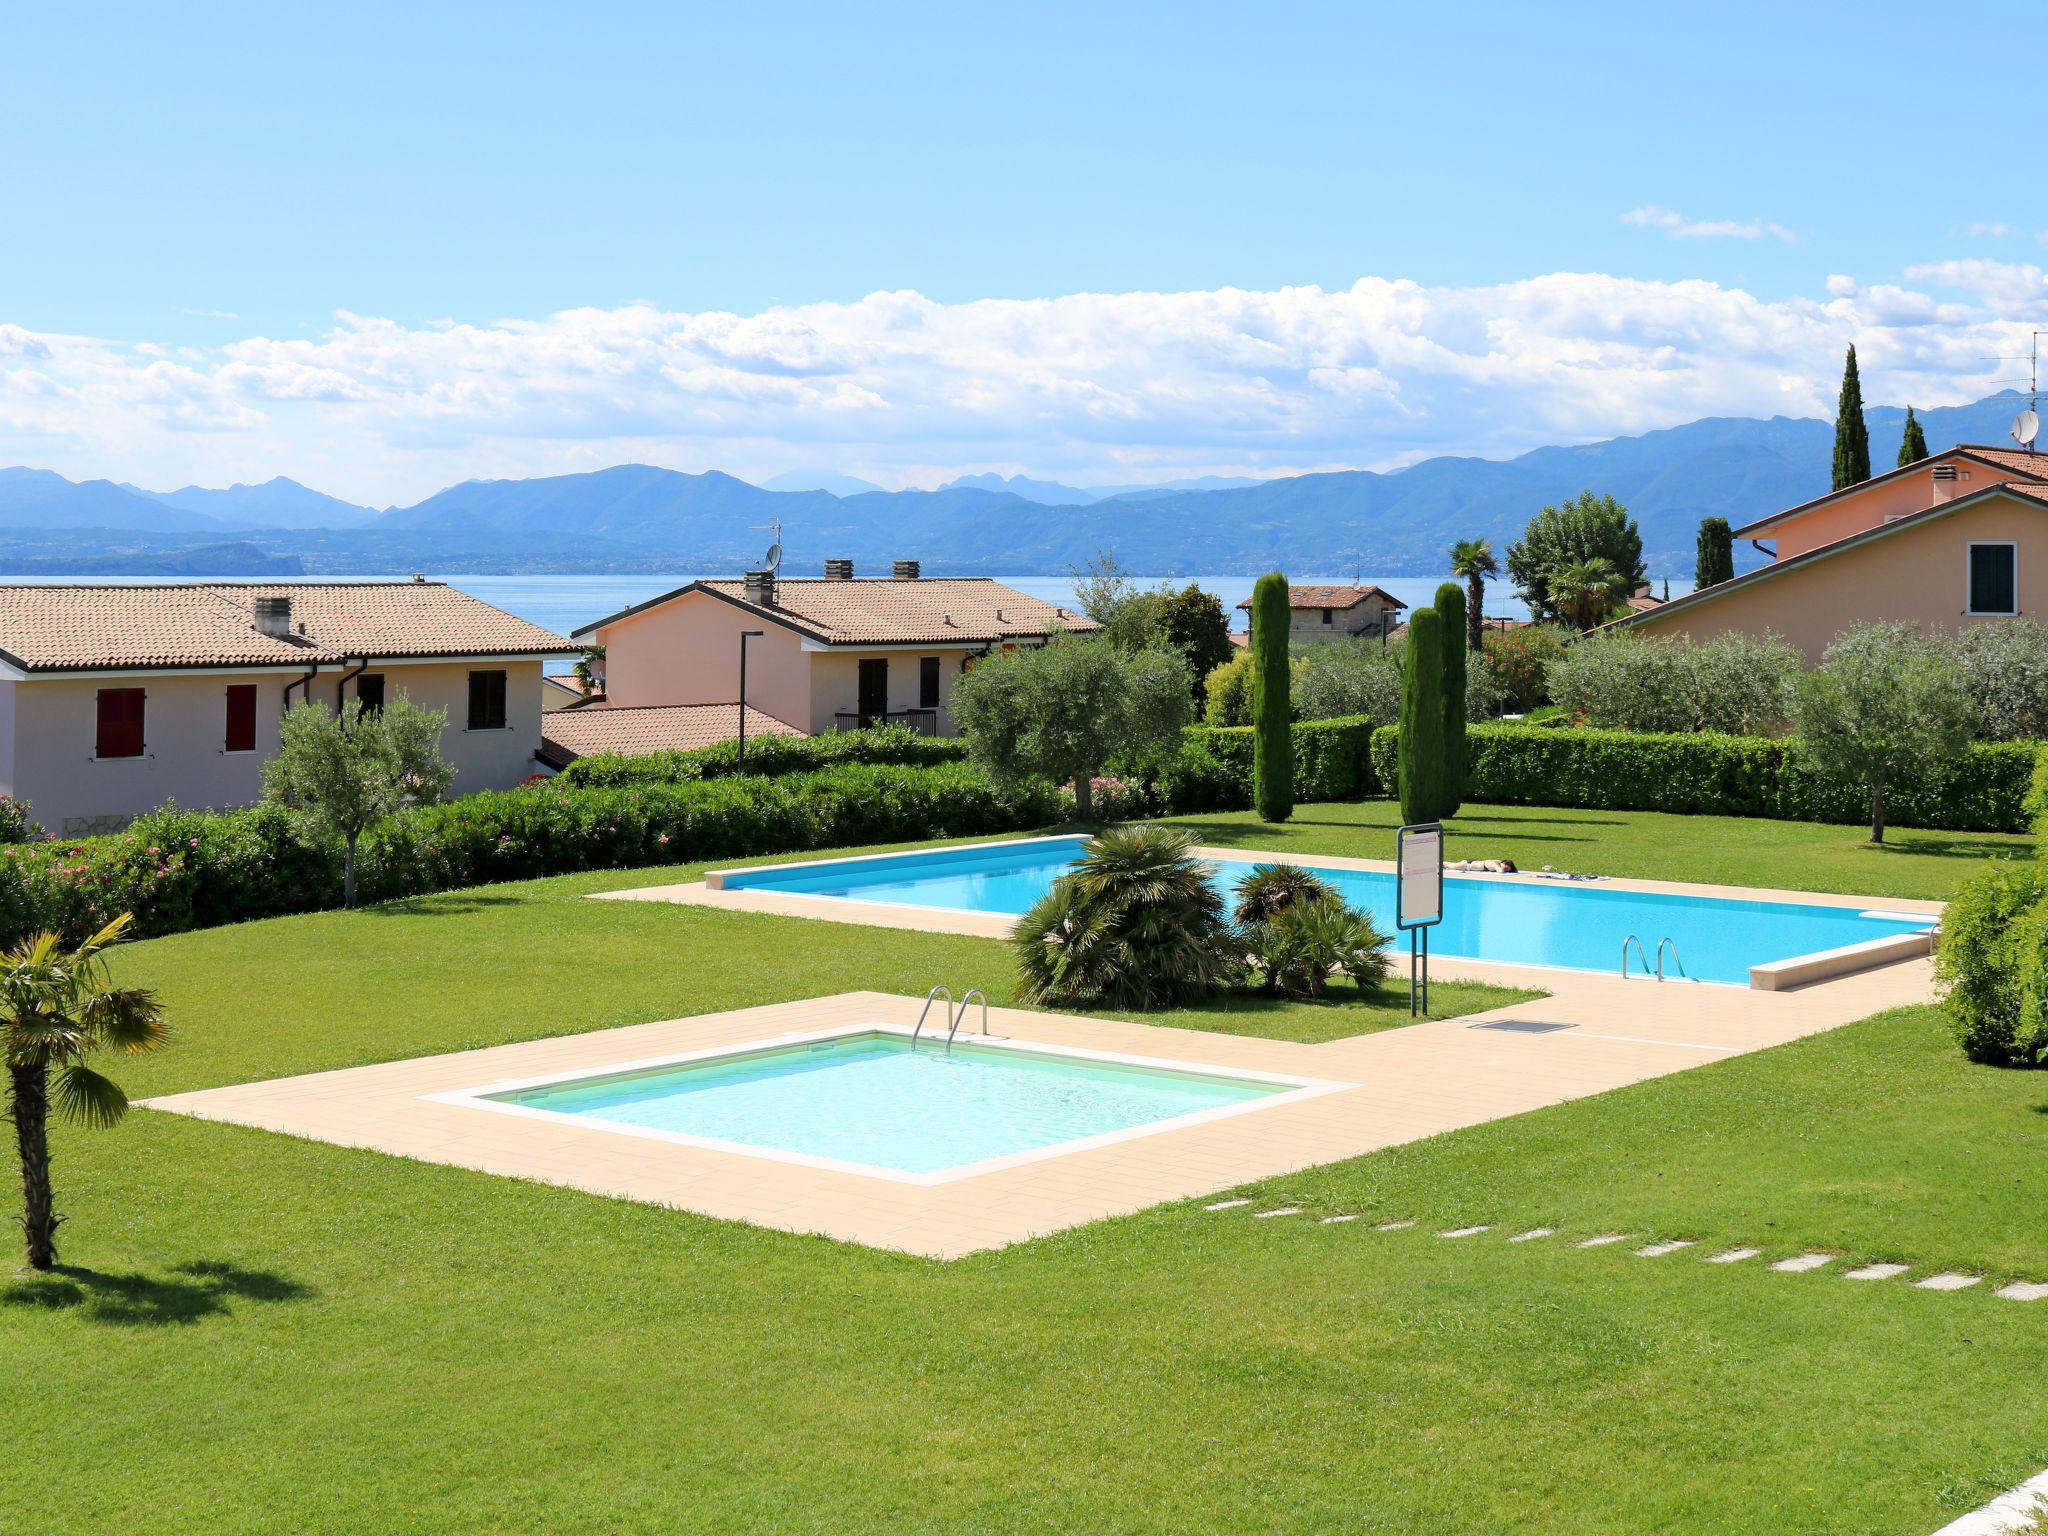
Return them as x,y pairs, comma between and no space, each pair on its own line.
1584,594
57,1007
1473,560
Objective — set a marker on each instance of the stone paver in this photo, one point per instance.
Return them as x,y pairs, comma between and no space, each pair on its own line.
1331,1221
1803,1263
1735,1255
1285,1210
1604,1240
2023,1290
1464,1232
1226,1205
1532,1234
1947,1282
1877,1272
1393,1226
1658,1250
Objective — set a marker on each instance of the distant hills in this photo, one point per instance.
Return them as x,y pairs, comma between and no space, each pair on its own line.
635,517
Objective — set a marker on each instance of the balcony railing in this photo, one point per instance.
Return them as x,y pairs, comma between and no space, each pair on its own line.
923,721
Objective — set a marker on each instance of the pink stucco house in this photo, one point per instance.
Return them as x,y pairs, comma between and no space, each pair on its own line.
1955,540
114,699
831,653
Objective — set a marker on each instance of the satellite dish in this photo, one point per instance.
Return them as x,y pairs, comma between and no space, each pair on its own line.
2027,428
772,561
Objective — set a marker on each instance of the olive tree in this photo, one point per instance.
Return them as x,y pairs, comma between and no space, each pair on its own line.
343,773
1070,707
1882,701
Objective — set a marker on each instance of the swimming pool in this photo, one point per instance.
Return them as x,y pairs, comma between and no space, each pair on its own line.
872,1101
1578,926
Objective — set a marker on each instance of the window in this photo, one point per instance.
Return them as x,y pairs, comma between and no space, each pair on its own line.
370,691
1326,615
240,734
1994,578
487,701
120,723
928,683
872,690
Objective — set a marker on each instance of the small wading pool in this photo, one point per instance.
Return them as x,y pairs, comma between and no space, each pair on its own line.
869,1102
1575,925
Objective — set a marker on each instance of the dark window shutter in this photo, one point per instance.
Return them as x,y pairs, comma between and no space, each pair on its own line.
370,692
928,683
1993,584
487,701
240,735
120,723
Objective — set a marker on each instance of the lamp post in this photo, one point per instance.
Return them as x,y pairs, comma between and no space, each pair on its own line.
745,636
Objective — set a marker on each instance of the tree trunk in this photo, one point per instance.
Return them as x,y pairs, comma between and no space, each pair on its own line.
1877,808
1084,794
348,872
1475,618
29,1107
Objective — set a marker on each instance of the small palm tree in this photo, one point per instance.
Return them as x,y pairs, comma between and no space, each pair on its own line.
1473,559
1584,594
1310,941
57,1007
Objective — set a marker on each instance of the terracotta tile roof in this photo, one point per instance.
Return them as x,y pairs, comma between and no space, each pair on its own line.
885,611
2026,466
633,731
58,628
1334,597
2033,465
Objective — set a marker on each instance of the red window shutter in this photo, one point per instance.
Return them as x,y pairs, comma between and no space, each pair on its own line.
241,726
120,723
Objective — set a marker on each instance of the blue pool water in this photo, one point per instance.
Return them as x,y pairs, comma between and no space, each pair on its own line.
871,1099
1580,926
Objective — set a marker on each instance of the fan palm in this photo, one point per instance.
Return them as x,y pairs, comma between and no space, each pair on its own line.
1309,941
1585,593
57,1007
1268,891
1473,559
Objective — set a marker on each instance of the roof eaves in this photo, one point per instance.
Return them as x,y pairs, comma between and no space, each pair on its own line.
1960,451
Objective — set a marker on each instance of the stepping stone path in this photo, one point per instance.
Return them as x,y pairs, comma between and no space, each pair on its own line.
1331,1221
1532,1234
1464,1232
1602,1242
1735,1255
1285,1210
1226,1205
1946,1282
1393,1226
2023,1290
1877,1271
1803,1263
1658,1250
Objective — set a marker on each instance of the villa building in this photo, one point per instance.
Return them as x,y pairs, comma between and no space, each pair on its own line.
823,653
1337,613
1957,539
114,699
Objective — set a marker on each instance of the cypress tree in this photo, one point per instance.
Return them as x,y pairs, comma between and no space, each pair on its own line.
1852,436
1422,718
1715,561
1913,447
1450,606
1272,701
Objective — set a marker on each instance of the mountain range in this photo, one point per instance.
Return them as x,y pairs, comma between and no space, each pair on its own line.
636,517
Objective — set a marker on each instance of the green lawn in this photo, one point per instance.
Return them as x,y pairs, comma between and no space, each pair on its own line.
1645,845
263,1334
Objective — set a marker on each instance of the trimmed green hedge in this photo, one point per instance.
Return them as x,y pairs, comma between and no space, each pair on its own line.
188,869
767,756
1332,761
1984,791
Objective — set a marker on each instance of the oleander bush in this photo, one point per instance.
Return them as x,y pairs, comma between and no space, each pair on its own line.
1984,790
184,869
768,757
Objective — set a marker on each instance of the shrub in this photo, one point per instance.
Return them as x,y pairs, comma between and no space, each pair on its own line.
1271,889
2005,676
1332,761
1734,683
1229,690
1308,941
1991,949
1421,780
15,826
768,756
1136,924
1199,780
1272,701
1347,677
1517,663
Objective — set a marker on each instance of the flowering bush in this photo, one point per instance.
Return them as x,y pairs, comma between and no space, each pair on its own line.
15,827
1116,799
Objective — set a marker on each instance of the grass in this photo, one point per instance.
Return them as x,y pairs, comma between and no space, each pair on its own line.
1645,845
263,1334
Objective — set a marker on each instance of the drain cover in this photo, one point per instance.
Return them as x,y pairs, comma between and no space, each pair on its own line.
1523,1026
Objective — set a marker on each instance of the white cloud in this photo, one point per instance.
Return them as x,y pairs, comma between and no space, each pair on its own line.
1679,227
1992,230
902,389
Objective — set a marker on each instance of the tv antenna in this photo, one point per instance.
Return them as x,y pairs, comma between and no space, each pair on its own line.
772,561
2027,425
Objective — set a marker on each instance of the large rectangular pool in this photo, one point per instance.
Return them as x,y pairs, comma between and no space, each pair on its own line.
872,1101
1577,925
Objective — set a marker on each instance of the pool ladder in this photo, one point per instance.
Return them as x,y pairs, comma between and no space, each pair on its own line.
954,1015
1667,942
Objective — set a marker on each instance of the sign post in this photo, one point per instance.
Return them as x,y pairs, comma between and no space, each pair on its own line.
1418,901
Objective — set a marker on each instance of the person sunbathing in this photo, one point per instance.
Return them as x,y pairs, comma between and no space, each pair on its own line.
1486,867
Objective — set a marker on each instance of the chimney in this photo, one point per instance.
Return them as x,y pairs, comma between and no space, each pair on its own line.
905,570
1944,483
839,570
274,616
761,588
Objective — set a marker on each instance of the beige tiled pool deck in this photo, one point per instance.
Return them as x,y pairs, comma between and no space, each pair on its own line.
1398,1085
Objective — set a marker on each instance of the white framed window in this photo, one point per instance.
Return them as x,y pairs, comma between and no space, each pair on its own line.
1992,584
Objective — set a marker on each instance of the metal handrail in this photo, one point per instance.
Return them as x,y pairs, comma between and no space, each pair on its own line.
1677,959
972,994
1632,939
950,1024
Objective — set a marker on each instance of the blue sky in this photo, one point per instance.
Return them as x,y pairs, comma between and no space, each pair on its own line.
195,179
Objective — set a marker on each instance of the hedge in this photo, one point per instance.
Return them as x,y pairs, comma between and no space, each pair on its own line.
1983,791
1332,761
769,756
186,869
